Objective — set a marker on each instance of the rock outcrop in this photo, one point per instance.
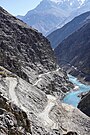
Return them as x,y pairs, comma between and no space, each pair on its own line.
84,104
13,120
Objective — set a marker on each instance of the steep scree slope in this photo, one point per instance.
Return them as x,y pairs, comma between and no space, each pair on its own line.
50,13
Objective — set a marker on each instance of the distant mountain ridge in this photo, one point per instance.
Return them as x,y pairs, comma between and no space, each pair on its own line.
50,13
59,35
73,53
84,7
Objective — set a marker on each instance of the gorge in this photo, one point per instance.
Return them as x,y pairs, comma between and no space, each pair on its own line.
32,85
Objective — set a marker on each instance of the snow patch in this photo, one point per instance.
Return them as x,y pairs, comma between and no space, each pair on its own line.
71,3
56,1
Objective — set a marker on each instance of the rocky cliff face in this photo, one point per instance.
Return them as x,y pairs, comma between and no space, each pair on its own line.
33,83
28,54
13,120
84,104
22,46
73,53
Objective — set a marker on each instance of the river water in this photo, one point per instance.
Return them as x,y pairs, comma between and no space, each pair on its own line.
72,97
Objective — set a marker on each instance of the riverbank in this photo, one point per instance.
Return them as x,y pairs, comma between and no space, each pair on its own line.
72,97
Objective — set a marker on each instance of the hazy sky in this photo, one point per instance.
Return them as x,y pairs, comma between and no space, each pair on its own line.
19,7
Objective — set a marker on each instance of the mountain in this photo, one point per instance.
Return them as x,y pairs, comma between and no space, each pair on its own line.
50,13
32,85
84,104
28,54
73,53
84,7
59,35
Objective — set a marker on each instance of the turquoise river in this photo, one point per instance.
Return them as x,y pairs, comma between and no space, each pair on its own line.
72,98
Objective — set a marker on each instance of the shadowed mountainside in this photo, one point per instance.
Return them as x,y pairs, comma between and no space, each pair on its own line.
74,53
59,35
84,104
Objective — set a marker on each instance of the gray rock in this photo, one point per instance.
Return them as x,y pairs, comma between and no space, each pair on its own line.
13,120
84,104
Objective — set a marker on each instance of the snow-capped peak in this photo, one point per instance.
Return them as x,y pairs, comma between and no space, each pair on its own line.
81,1
57,1
60,1
71,3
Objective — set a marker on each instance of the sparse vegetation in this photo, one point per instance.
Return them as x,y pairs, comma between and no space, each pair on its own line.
6,73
